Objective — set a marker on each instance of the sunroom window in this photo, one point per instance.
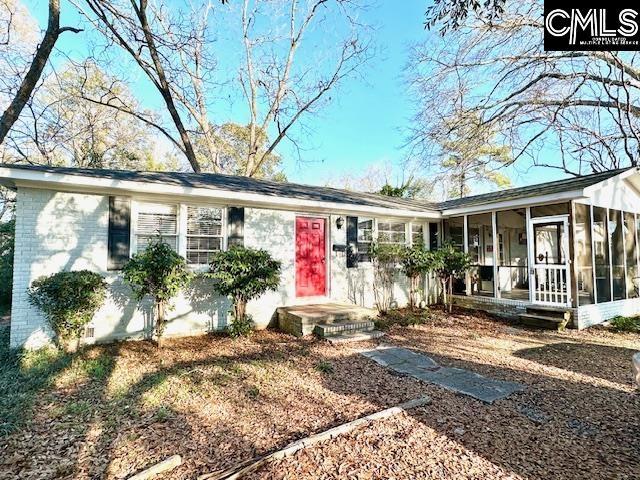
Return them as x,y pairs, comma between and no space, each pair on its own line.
204,234
417,234
156,221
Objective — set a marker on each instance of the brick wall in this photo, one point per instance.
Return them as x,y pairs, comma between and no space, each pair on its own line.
593,314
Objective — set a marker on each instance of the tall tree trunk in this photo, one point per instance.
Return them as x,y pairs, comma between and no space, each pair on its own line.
30,80
450,293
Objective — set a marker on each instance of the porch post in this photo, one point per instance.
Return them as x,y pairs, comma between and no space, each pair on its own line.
635,225
530,255
496,256
624,255
465,246
608,226
593,259
573,265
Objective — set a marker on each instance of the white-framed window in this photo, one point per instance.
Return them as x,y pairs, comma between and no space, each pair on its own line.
204,234
417,234
365,237
392,232
154,221
194,231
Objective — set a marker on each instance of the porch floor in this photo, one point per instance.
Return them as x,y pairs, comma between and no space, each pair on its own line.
325,319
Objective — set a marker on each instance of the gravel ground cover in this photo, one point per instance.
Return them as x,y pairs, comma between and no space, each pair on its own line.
111,411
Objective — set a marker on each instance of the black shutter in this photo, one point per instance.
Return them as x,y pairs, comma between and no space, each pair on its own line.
235,224
119,232
352,242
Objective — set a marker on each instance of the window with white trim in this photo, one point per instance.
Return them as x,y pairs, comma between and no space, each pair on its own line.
155,221
417,234
365,237
204,233
392,232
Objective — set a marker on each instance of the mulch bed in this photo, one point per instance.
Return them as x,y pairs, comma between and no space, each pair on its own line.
217,402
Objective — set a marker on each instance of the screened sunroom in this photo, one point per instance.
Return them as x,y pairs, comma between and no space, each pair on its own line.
571,244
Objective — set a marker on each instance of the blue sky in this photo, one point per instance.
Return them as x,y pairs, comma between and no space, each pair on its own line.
366,121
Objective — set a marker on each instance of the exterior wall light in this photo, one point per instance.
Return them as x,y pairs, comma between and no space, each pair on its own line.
339,222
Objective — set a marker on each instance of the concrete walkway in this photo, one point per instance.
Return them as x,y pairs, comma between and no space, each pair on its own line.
423,368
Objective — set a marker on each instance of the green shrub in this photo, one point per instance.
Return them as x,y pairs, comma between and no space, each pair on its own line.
416,262
448,263
7,233
159,272
68,300
243,274
240,327
625,324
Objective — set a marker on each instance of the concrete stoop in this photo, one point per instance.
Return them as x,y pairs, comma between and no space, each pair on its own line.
336,322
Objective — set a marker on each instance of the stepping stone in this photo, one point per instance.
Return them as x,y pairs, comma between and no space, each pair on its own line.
458,380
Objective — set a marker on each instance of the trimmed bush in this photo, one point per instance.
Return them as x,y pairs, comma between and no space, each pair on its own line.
68,300
625,324
243,274
159,272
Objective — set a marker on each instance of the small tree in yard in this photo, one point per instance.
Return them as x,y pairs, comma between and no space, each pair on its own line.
160,273
384,258
68,301
449,263
415,262
243,274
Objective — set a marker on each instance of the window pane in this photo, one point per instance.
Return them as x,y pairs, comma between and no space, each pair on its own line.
433,235
480,242
630,252
513,272
154,221
392,232
548,210
454,231
204,221
617,254
417,234
584,254
204,233
601,253
365,237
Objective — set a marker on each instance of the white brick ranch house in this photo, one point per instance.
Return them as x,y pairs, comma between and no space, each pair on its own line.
568,246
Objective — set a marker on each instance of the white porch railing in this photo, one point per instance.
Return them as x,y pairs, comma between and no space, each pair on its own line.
551,286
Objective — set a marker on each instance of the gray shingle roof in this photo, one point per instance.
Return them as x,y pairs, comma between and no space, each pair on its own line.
236,183
548,188
324,194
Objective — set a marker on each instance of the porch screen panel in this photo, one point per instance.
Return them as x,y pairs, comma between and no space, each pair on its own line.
583,253
630,248
453,232
513,272
549,210
617,254
601,254
480,242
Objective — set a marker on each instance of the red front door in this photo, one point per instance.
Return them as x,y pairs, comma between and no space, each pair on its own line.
311,270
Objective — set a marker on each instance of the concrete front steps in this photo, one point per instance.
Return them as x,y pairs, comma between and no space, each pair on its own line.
335,322
551,318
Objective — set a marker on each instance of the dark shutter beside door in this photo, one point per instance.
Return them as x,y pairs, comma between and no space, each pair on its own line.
352,242
118,244
235,223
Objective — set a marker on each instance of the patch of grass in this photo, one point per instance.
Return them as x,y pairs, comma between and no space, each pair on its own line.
324,367
163,414
253,392
77,409
625,324
23,374
404,317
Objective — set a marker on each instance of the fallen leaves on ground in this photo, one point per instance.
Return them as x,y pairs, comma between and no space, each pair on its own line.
217,402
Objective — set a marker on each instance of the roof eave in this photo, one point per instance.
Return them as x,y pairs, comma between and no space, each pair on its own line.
80,183
516,203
